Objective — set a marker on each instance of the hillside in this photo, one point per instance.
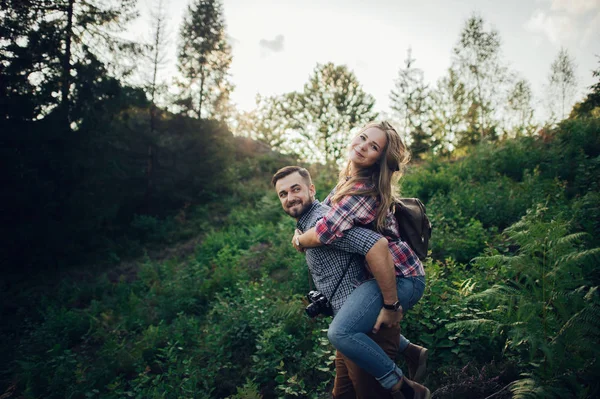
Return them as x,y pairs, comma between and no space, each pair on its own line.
511,303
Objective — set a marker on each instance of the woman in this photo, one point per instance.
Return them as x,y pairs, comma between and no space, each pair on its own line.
364,195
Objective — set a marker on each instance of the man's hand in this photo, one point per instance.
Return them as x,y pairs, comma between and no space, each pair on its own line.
388,318
295,241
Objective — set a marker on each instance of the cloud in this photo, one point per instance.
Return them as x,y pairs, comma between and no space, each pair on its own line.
557,28
275,46
575,7
593,30
563,22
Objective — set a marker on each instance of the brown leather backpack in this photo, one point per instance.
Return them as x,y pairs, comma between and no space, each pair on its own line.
415,227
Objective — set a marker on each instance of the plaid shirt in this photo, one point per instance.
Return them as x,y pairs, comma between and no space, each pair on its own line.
328,263
354,210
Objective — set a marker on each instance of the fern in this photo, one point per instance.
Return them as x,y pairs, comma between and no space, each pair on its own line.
547,306
248,391
525,388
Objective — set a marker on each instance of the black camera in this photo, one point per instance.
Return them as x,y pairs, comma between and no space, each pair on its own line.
318,304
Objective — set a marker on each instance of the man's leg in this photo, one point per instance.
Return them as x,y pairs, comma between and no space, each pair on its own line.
342,385
416,359
415,355
365,385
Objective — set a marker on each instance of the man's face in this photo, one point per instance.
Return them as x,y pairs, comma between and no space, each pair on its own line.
295,194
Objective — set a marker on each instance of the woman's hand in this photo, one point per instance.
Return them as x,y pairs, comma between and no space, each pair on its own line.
296,241
388,318
308,239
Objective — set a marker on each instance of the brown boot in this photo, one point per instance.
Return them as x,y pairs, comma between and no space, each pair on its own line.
416,360
410,390
396,392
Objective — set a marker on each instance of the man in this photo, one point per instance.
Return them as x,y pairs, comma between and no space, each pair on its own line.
338,262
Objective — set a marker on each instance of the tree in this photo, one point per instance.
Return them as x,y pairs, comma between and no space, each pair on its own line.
410,100
267,124
55,55
477,60
157,58
203,62
561,82
322,116
519,110
449,107
591,105
157,55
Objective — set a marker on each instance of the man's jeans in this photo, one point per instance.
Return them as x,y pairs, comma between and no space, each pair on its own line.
348,330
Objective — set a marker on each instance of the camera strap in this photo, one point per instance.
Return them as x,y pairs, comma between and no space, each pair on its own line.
341,278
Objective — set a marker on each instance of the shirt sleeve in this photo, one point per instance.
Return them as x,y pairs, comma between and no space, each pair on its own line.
356,240
348,212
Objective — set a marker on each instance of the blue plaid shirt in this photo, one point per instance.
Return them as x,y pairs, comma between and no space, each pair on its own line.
328,262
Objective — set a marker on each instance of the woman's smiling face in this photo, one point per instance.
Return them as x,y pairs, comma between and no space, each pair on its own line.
366,148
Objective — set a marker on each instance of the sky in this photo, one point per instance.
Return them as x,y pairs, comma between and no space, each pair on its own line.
277,44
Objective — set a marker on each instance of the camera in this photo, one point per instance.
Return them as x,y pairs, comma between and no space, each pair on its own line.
318,304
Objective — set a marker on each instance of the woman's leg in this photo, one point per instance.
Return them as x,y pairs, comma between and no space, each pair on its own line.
348,330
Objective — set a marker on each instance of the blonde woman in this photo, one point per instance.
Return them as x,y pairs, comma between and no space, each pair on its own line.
364,195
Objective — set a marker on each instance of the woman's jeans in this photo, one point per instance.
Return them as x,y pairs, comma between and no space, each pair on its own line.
348,330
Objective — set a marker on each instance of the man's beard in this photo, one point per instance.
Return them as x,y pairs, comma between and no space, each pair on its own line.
296,213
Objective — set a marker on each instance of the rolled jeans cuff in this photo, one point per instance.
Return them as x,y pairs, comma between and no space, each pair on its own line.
403,343
390,379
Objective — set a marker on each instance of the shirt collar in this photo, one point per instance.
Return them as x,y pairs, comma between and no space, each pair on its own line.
304,219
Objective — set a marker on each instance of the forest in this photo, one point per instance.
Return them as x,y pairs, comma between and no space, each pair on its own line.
145,255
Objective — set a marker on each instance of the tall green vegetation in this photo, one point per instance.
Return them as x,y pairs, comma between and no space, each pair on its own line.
203,61
448,107
331,104
157,55
562,83
226,318
185,284
590,106
546,307
520,110
409,100
87,155
58,93
54,56
478,60
267,124
315,123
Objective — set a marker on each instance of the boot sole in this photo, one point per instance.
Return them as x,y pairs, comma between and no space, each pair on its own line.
422,367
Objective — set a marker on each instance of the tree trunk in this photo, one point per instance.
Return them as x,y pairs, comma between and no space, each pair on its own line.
66,78
151,162
201,94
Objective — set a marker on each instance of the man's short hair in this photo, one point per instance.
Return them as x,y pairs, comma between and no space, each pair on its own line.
288,170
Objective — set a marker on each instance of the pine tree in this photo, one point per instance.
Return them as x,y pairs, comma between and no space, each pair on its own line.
203,61
410,100
55,55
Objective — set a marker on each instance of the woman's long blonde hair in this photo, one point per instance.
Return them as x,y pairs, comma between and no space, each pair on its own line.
383,176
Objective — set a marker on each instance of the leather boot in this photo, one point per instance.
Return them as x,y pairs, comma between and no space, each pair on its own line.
416,360
410,390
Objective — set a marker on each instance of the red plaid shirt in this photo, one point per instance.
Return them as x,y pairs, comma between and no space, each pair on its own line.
355,210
